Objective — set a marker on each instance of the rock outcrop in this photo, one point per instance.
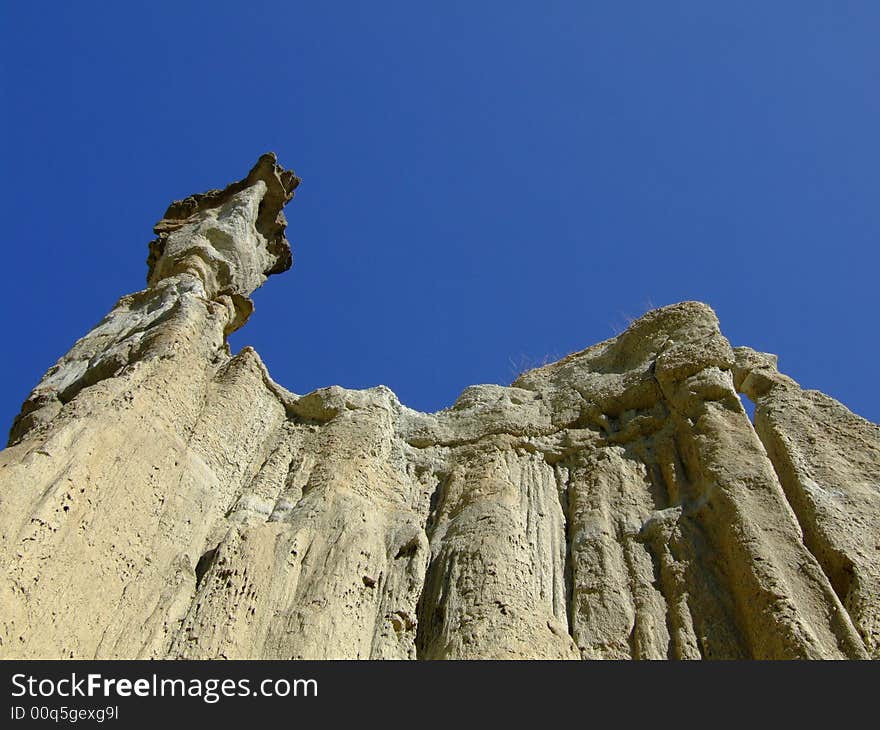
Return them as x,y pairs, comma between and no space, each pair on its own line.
162,498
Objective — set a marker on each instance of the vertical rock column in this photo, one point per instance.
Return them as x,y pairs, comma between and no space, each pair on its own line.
785,604
112,478
828,462
495,586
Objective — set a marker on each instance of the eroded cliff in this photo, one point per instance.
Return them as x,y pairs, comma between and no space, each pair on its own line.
161,497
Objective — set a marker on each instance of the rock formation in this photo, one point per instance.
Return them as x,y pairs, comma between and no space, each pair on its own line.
161,497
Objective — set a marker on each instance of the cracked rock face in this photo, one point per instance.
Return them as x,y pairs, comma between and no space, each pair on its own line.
161,498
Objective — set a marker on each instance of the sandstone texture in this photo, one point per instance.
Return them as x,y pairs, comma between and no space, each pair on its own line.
163,498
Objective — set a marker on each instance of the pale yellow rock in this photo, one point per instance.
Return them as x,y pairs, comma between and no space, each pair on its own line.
163,498
828,462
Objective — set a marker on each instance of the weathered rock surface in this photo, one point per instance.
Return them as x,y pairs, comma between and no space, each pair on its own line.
163,498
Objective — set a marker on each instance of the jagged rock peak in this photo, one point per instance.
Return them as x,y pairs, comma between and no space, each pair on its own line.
233,238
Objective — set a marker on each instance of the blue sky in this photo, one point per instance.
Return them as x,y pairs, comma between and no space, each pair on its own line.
485,184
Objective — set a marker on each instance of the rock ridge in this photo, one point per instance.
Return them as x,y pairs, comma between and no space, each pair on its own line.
161,497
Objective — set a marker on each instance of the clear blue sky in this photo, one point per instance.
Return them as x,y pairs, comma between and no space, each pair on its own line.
485,184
